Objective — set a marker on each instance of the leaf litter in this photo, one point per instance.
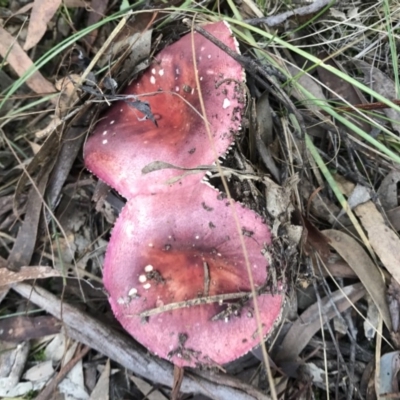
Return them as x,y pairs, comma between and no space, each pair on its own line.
54,238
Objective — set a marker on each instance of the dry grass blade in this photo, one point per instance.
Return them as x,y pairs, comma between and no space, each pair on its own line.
372,279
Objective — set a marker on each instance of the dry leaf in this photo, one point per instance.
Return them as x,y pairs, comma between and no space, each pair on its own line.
388,190
341,88
314,239
352,252
304,80
8,277
24,244
20,62
309,322
97,11
76,3
102,388
13,360
384,241
68,94
148,390
371,324
382,84
38,372
42,12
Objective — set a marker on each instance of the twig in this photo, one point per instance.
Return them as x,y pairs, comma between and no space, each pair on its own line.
219,298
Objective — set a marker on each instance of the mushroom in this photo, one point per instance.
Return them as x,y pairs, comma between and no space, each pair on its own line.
177,278
175,271
124,142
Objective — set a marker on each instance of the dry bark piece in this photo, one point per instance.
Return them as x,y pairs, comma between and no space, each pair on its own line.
124,142
21,328
177,277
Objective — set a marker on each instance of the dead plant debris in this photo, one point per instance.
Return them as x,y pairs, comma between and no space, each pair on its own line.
317,159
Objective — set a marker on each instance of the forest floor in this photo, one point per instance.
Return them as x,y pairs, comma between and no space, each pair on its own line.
312,160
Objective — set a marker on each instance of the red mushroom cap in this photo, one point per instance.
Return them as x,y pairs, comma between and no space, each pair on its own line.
181,246
123,143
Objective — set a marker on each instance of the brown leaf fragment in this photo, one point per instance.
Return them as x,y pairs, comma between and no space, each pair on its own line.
8,277
20,62
314,239
388,190
320,205
357,258
68,93
43,159
309,322
337,268
19,329
76,3
24,245
382,84
393,294
23,10
262,137
304,80
42,12
71,145
341,88
102,388
384,241
98,9
149,391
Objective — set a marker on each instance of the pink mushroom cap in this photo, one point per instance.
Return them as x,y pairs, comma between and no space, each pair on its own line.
181,246
123,143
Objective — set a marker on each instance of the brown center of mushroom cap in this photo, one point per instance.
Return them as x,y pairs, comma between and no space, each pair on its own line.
176,305
180,275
